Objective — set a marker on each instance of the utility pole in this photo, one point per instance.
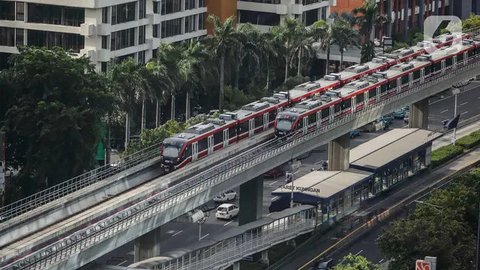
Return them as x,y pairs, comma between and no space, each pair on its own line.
455,92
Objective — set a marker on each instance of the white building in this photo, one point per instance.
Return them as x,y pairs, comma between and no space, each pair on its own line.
100,29
268,13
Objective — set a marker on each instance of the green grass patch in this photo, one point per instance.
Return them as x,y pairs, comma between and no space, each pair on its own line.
445,153
469,141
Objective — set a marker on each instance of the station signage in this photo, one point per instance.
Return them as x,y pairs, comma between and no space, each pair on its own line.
301,189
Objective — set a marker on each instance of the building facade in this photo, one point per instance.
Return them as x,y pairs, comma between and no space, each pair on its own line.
268,13
99,29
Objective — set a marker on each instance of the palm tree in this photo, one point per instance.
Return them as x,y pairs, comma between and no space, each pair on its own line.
130,85
247,50
289,34
267,49
344,36
368,52
368,18
322,33
224,40
168,56
161,84
191,69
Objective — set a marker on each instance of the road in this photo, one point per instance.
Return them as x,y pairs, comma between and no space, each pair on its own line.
177,235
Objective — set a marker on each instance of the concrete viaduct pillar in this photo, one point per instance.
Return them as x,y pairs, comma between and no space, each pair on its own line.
147,246
418,117
339,153
251,201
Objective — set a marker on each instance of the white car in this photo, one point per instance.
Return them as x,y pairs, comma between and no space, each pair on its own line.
227,211
225,197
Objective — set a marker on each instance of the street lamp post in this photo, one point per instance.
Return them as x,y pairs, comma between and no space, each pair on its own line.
455,92
289,177
477,260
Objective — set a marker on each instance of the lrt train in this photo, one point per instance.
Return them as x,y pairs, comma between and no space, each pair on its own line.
354,96
212,135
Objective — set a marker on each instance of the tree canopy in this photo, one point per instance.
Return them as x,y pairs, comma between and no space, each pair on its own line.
443,226
355,262
53,116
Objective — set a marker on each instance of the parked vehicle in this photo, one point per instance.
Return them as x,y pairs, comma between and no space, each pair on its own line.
227,211
279,203
405,119
399,114
354,133
225,197
274,173
322,265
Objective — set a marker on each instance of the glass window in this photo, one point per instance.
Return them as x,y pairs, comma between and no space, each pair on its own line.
189,4
19,36
73,42
141,57
122,39
171,28
190,24
104,67
257,17
171,6
156,7
50,14
20,11
202,145
155,30
104,42
7,10
7,36
201,21
123,13
218,137
201,3
142,9
141,34
105,15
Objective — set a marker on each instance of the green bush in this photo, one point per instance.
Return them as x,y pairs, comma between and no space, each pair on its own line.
469,141
445,153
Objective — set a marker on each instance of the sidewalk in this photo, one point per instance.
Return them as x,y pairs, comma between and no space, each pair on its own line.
306,253
447,138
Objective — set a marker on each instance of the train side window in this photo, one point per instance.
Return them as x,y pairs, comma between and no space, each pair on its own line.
460,57
312,118
325,112
416,74
384,88
232,132
188,151
218,137
243,127
471,53
449,61
346,104
259,121
300,124
337,107
202,145
360,98
372,93
437,66
404,79
428,70
271,115
392,84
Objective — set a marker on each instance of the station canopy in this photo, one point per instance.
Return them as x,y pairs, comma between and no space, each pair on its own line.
318,185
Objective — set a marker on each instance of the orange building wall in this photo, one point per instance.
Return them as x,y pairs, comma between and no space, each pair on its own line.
346,6
221,8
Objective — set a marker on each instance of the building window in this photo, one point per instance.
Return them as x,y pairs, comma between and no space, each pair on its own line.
156,7
103,67
20,11
19,33
104,42
189,4
141,57
171,28
122,39
256,17
201,21
69,42
141,34
171,6
123,13
201,3
7,36
155,30
105,15
7,10
190,23
142,9
50,14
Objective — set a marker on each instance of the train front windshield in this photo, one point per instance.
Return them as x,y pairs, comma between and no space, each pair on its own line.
171,150
284,124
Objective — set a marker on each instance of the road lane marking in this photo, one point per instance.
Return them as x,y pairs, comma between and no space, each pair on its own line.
444,111
381,261
177,233
228,223
465,112
269,214
204,236
273,183
356,254
463,103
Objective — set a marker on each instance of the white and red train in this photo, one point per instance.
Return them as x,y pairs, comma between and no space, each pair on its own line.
337,93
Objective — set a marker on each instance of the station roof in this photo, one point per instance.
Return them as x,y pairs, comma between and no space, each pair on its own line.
323,184
388,147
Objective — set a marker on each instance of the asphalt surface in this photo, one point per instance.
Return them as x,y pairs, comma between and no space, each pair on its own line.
179,234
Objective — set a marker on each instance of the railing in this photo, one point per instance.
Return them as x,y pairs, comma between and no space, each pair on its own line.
74,184
249,242
152,206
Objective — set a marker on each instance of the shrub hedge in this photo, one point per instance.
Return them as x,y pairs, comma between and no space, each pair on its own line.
445,153
469,141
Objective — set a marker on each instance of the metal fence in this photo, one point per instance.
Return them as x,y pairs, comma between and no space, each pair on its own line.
86,179
119,222
235,248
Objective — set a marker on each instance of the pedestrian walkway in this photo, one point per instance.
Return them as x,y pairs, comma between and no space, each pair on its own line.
447,137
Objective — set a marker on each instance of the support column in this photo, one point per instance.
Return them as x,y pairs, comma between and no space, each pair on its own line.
389,15
147,245
251,201
421,17
264,259
236,266
405,7
339,153
418,117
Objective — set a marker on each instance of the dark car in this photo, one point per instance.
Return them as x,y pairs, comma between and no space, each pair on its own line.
322,265
274,173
